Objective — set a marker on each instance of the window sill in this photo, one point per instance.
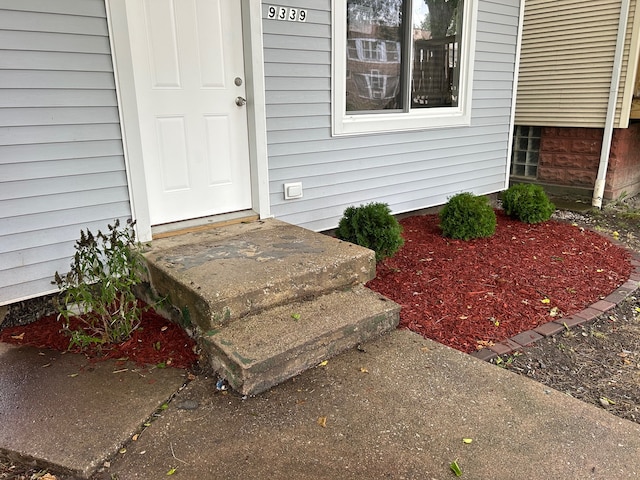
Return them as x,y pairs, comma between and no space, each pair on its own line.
400,122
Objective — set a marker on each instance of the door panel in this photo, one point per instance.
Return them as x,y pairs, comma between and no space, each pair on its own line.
186,56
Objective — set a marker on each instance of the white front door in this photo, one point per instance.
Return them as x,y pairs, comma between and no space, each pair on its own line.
188,71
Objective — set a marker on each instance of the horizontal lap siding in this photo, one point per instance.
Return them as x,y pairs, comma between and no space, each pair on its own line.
407,170
61,160
566,63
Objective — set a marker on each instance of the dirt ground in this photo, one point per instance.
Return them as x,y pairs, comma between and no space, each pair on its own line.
598,363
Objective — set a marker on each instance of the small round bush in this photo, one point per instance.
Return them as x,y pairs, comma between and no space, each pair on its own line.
371,226
467,216
528,203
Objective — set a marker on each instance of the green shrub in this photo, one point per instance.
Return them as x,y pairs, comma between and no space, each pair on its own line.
528,203
371,226
99,286
467,216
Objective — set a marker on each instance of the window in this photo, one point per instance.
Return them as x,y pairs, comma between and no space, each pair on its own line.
401,64
526,150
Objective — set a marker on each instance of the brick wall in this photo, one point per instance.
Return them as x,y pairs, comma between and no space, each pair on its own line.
623,177
570,157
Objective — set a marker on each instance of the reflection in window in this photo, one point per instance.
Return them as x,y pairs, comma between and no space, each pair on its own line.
374,45
380,42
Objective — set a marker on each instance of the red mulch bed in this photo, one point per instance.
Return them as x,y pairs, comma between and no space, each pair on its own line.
471,294
467,295
156,342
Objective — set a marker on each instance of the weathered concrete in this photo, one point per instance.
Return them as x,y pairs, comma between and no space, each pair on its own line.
64,411
262,350
223,274
242,284
400,410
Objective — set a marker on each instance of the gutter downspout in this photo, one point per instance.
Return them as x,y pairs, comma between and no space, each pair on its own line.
598,189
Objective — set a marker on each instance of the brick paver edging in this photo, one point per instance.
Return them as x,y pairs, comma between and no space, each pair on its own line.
556,326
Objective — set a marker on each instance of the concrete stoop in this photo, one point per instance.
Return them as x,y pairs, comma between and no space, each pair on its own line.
262,350
269,299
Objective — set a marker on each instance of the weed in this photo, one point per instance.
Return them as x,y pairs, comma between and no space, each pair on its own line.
505,363
99,286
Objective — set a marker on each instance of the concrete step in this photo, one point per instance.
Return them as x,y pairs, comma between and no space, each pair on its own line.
264,349
216,276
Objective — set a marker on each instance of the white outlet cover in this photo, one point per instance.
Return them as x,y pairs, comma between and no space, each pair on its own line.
292,190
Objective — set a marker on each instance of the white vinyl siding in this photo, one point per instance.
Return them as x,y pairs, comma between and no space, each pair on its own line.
566,63
61,161
407,170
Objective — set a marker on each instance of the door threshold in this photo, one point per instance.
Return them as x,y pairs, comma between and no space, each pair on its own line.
200,224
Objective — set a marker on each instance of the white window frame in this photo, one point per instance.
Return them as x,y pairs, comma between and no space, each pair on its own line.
344,123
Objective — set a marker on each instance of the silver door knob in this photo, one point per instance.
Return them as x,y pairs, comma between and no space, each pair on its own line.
241,102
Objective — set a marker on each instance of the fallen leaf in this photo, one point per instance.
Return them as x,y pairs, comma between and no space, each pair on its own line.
135,437
456,468
73,375
122,450
323,364
484,343
48,476
364,370
18,337
164,328
467,440
554,311
171,471
600,270
545,300
322,421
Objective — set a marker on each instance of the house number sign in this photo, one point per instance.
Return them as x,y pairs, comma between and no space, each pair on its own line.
287,14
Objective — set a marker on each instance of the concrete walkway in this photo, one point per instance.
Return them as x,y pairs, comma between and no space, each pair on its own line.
397,408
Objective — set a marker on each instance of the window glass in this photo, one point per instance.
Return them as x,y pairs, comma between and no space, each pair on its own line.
374,51
526,151
381,45
436,47
401,65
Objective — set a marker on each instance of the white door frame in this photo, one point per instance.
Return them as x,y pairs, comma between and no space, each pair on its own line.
129,120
